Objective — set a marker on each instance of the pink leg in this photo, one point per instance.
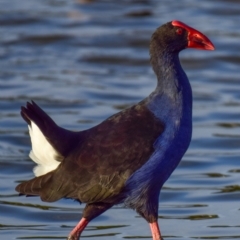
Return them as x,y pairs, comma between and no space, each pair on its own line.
156,234
76,232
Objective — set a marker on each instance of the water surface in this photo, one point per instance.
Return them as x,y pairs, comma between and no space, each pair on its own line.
84,60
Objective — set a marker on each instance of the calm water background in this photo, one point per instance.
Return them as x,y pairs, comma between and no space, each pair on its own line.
82,61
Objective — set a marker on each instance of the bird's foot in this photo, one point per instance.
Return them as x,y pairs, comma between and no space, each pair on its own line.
156,234
76,232
72,237
158,238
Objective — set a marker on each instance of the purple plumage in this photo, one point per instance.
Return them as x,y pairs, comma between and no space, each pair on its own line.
128,157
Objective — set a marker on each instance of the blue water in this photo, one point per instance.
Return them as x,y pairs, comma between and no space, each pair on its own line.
84,60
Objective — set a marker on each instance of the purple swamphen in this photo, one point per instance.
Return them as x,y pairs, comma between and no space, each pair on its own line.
127,158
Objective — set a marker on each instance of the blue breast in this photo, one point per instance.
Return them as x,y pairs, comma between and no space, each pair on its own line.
172,106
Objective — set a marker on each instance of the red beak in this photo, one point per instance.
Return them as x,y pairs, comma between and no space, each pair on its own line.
195,38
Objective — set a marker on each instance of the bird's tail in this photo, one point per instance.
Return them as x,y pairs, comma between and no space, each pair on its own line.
42,130
50,143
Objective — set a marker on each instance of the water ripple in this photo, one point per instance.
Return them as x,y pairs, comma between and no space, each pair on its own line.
84,60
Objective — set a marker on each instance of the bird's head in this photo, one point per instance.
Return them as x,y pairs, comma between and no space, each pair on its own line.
175,36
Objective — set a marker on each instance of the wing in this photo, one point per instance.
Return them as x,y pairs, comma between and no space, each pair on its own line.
98,168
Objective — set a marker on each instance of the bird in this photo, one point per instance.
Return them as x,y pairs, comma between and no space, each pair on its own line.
128,157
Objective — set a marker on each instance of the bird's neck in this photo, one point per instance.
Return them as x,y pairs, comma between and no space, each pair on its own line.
169,72
172,97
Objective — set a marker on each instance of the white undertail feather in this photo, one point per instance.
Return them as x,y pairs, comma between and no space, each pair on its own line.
42,152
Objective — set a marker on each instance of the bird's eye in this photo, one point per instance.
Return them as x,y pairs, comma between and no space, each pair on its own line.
179,31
